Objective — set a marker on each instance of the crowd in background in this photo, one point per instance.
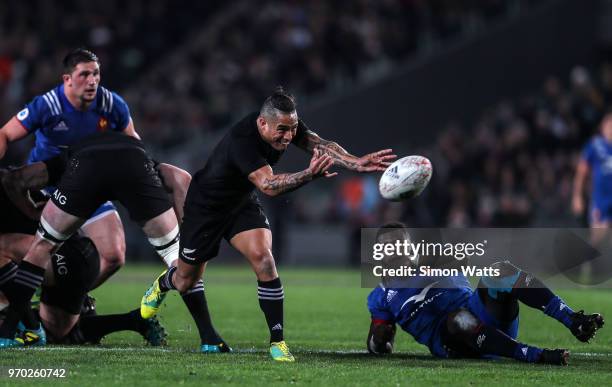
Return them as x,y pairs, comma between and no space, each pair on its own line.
127,36
190,68
513,167
310,47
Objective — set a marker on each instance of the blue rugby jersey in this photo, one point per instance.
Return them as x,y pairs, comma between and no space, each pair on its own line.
57,124
598,154
419,310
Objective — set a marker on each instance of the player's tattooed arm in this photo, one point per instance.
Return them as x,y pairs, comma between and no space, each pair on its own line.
270,184
377,161
18,183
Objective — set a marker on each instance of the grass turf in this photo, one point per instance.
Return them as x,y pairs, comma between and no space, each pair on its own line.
326,324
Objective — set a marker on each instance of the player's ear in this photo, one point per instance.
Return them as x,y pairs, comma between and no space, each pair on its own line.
261,122
65,77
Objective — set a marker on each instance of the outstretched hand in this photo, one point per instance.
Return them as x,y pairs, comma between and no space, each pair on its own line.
377,161
320,164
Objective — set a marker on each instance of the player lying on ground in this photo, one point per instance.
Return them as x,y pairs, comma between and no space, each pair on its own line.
75,267
102,167
65,115
222,204
453,320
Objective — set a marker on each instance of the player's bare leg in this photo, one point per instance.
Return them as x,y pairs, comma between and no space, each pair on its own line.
107,234
187,279
186,275
163,233
58,323
55,227
14,246
256,246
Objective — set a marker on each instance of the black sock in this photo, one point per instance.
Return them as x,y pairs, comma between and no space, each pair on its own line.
20,290
487,340
532,292
9,324
195,300
7,273
165,282
492,341
94,328
271,298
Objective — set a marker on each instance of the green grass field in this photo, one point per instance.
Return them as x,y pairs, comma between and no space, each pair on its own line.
326,323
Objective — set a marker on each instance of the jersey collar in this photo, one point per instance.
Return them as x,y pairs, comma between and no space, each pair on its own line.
67,106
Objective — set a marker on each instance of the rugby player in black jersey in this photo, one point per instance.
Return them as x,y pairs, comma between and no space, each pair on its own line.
105,166
221,204
74,268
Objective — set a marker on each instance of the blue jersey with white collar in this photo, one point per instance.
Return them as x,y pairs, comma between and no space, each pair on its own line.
420,309
57,124
598,154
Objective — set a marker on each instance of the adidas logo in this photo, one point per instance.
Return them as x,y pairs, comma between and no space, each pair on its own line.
61,127
562,306
391,294
392,172
277,327
524,350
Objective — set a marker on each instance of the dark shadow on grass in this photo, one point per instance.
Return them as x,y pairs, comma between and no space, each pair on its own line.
429,361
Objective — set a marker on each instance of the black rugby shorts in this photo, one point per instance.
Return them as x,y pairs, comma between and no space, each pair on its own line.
97,174
75,266
202,229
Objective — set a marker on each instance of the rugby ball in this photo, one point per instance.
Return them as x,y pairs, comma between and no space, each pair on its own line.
405,178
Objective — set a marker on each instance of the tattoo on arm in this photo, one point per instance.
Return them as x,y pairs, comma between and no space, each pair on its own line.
286,182
340,156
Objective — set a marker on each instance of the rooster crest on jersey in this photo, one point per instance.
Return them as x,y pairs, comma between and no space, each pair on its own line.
405,178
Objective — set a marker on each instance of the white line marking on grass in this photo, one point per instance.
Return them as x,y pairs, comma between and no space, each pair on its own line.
98,349
236,351
590,354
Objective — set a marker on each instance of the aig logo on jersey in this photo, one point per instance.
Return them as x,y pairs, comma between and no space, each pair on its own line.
60,197
60,264
22,115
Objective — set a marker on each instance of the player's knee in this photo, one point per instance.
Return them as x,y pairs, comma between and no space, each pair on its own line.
113,257
185,281
264,265
167,246
505,268
502,283
462,321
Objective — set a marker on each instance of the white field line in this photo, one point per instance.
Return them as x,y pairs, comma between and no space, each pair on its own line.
250,350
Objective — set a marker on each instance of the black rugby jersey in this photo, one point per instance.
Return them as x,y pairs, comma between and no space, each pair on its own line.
223,182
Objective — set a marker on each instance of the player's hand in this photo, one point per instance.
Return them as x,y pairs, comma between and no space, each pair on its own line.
577,205
320,164
377,161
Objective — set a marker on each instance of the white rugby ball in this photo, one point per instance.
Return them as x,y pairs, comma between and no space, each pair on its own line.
405,178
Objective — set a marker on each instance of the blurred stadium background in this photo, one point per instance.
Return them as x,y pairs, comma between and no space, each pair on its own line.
500,94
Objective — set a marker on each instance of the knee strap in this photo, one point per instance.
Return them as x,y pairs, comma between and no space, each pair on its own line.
48,233
167,246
